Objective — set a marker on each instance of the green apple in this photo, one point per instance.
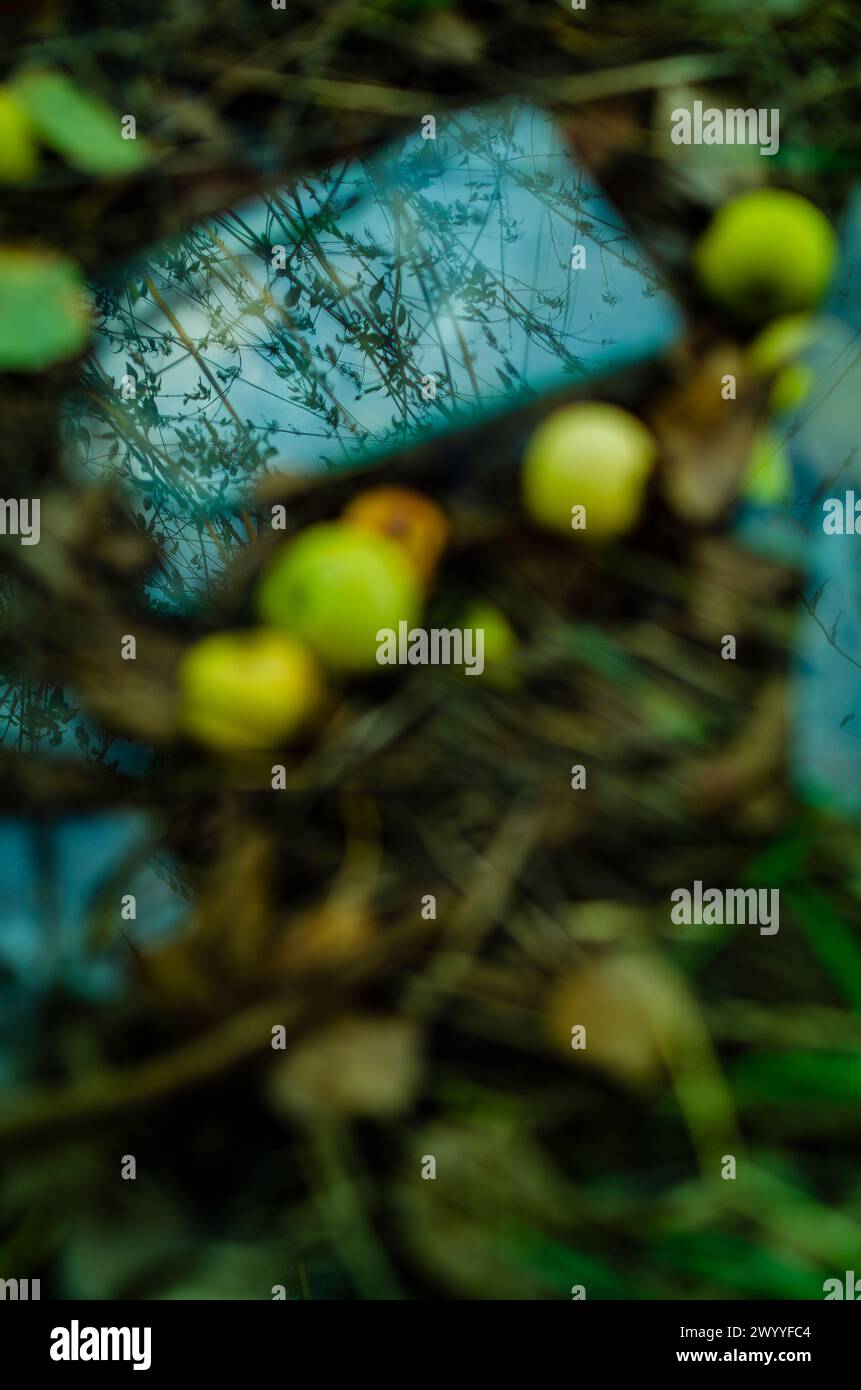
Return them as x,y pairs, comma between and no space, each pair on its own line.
765,253
791,387
589,455
247,690
781,342
768,478
500,641
19,159
773,353
335,587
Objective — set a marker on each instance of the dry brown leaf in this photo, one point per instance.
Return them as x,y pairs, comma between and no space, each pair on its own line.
358,1065
179,979
725,578
325,938
234,907
705,440
486,1175
749,764
635,1011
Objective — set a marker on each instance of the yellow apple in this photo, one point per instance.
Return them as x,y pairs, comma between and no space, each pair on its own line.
247,690
592,456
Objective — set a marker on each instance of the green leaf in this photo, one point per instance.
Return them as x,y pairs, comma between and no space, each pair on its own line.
830,938
44,316
798,1078
558,1266
732,1263
781,862
78,126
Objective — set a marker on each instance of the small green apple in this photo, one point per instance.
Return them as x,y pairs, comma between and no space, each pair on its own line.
500,641
768,478
781,342
765,253
335,587
773,353
247,690
791,387
588,455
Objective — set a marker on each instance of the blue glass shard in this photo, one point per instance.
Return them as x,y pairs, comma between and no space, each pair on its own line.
822,441
827,692
52,873
344,316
